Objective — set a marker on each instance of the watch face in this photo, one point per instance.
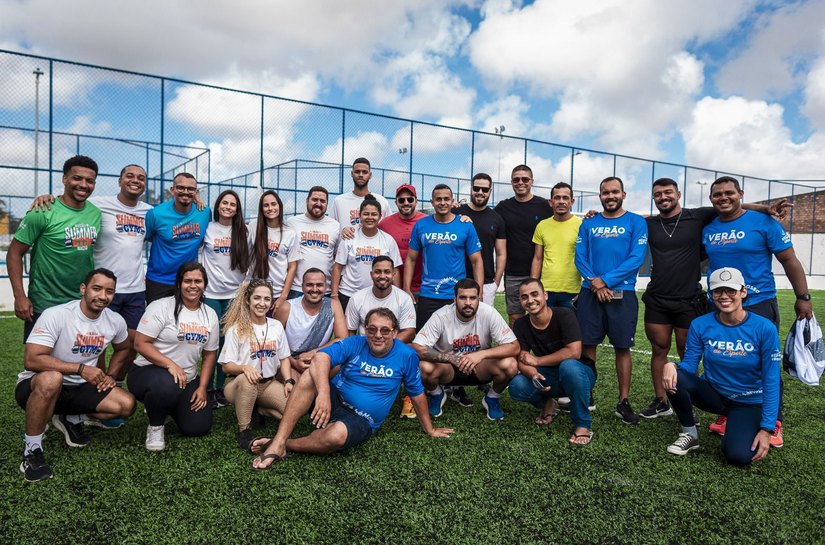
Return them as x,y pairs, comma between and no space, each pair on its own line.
806,297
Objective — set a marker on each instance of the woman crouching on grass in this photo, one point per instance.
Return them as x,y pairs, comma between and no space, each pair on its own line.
741,357
173,333
255,348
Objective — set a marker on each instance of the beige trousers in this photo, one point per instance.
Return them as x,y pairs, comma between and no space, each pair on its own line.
268,396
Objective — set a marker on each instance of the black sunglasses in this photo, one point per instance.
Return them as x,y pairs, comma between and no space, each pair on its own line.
405,200
482,189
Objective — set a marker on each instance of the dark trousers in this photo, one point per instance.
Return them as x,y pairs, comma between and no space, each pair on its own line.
156,389
743,419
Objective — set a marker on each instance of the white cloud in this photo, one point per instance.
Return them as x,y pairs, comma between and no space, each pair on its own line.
814,106
366,144
621,70
774,59
749,137
83,124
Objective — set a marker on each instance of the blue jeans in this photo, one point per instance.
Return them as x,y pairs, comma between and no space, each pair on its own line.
571,378
743,419
219,306
561,299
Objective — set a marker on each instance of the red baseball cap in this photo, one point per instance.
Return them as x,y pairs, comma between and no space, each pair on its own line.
406,187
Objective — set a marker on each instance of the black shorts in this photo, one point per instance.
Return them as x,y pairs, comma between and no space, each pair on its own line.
73,399
130,306
678,313
425,308
463,379
617,319
358,428
767,309
28,327
156,290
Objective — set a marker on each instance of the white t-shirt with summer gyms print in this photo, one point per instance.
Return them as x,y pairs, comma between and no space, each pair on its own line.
216,257
357,255
398,301
120,243
317,240
181,342
282,249
264,353
446,333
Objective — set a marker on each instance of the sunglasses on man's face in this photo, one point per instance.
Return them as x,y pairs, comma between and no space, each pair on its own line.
478,189
405,200
522,180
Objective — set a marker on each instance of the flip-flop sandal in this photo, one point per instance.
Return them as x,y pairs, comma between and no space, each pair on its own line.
551,415
274,457
575,436
257,448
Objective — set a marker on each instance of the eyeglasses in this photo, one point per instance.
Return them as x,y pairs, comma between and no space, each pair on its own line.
481,189
719,292
405,200
185,189
373,330
522,180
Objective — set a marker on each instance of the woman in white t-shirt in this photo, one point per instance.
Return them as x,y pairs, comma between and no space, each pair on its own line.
173,334
353,259
225,256
255,351
275,248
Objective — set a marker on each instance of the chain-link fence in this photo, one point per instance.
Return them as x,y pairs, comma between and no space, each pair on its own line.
52,109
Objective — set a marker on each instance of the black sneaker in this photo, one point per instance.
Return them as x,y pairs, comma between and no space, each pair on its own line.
220,399
72,432
460,396
625,412
656,408
34,467
244,439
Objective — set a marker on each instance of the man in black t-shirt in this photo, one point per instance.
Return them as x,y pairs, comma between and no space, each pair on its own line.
674,296
521,214
491,233
551,363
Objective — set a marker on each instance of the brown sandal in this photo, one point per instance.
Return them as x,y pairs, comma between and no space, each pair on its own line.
573,439
274,457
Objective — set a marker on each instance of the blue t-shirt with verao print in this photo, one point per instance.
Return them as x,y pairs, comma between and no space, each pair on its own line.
370,384
175,239
747,243
741,362
612,249
443,248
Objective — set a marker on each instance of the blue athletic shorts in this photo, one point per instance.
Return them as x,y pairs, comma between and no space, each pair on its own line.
616,319
130,306
358,429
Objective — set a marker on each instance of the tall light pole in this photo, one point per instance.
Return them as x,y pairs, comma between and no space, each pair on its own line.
701,185
573,153
37,73
500,132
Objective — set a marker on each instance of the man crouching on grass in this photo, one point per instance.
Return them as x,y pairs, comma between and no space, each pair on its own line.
348,408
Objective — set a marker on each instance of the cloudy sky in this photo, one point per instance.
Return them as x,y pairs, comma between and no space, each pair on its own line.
734,85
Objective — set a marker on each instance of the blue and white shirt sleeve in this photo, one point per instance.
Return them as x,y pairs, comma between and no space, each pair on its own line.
771,357
412,374
693,350
629,268
582,256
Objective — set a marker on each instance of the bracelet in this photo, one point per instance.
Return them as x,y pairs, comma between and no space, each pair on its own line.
80,370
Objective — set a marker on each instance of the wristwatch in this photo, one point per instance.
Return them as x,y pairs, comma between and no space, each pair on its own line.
290,381
804,297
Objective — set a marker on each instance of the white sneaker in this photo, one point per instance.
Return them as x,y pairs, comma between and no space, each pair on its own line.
154,438
683,444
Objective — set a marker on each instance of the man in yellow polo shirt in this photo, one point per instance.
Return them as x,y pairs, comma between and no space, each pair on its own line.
555,243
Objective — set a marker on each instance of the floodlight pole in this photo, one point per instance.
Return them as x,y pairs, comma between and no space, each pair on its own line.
37,73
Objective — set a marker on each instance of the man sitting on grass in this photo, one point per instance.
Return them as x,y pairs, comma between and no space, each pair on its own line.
61,376
455,349
350,407
551,362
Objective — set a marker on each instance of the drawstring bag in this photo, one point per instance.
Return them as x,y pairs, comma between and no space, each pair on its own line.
804,355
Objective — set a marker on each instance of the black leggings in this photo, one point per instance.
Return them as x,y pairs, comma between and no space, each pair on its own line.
156,389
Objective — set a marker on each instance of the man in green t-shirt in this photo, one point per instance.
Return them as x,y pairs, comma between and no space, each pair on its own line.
555,240
62,241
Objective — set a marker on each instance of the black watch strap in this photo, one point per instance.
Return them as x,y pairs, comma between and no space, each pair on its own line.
290,381
804,297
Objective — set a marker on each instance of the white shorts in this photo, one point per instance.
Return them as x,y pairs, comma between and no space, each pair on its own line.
489,293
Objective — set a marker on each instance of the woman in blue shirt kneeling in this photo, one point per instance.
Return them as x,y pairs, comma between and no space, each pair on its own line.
741,358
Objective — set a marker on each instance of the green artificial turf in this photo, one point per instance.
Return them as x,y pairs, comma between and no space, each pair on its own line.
492,482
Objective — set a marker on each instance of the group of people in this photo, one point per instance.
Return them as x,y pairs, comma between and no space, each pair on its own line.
329,315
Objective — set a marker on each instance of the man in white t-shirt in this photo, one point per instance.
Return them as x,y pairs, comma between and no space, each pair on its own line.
317,236
382,294
61,376
346,206
311,320
455,349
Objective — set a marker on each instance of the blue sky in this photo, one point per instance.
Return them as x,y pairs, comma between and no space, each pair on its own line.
735,86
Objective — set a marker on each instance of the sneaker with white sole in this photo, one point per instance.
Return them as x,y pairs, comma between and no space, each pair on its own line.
110,424
407,408
73,433
626,413
656,408
436,404
683,444
34,467
155,440
493,408
459,395
719,426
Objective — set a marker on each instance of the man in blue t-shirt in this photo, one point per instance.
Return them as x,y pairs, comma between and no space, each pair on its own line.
443,241
609,251
176,229
348,409
747,241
